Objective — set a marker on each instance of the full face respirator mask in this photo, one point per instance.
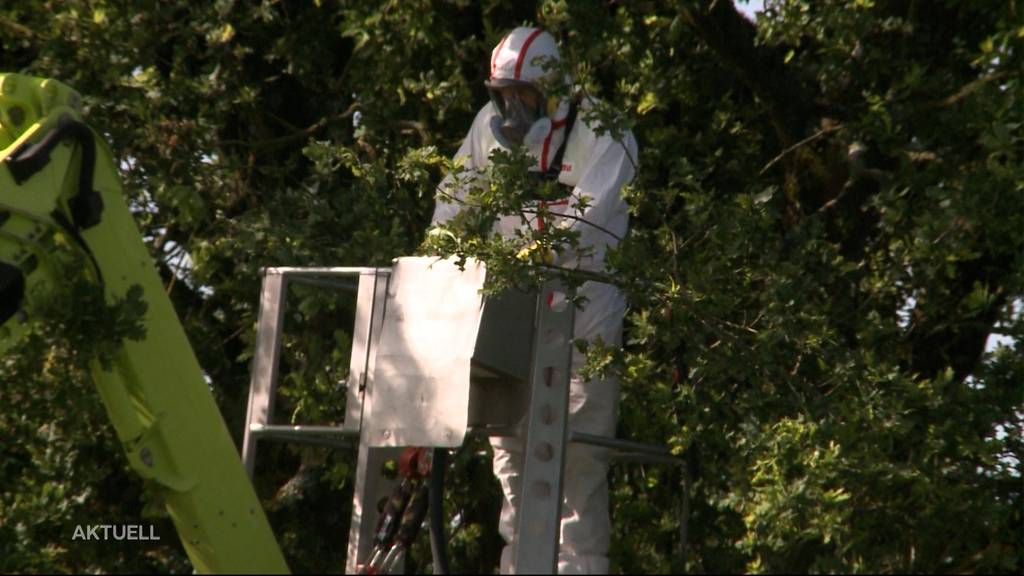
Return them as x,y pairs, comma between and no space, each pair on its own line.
518,122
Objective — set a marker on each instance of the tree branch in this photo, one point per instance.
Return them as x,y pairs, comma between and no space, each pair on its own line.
808,140
967,90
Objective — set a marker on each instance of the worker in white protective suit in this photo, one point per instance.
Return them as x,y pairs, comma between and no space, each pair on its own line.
592,167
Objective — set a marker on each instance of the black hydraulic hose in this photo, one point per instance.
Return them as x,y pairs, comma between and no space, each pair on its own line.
87,205
12,290
438,543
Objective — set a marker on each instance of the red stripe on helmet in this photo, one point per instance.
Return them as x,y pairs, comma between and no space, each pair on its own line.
524,49
494,59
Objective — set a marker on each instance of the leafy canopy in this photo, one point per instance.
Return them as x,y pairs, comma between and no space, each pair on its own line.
826,228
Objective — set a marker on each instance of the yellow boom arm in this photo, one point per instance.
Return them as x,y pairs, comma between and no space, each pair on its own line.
59,180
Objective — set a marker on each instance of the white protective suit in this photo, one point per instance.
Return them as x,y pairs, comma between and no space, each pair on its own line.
595,167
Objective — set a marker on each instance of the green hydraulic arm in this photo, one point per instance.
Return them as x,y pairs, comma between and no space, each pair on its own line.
59,186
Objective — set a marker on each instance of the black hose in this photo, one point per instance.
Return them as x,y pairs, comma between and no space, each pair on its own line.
87,205
438,543
12,288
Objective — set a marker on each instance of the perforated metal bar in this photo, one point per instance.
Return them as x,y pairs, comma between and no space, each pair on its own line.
545,435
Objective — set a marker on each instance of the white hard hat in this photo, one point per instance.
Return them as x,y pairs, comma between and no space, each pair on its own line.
520,57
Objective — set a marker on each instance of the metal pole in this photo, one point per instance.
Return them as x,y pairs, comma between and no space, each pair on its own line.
264,366
535,547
